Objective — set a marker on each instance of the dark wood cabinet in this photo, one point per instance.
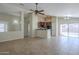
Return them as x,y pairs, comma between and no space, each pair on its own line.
46,25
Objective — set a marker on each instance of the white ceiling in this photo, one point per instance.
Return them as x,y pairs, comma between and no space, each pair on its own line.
54,9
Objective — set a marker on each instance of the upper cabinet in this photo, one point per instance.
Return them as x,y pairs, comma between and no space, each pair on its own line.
42,18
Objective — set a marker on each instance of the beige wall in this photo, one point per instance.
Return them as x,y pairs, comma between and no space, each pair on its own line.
53,26
30,25
27,27
9,21
7,36
11,35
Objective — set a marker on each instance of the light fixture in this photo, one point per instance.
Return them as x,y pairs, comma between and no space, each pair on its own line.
67,16
15,22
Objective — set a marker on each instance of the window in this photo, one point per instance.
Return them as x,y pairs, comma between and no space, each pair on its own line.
71,30
64,29
2,28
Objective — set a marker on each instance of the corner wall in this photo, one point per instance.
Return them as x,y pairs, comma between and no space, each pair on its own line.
7,36
12,35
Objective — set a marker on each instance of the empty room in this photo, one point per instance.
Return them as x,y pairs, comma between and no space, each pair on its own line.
39,29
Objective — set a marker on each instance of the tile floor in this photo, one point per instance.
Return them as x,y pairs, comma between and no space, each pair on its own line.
39,46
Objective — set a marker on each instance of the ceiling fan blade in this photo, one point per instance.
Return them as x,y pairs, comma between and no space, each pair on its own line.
41,11
31,10
22,4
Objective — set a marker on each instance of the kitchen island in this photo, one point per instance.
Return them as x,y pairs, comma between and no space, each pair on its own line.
43,33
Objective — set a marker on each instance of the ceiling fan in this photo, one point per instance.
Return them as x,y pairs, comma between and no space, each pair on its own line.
36,11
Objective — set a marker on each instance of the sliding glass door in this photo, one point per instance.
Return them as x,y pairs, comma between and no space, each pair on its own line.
69,28
74,30
64,29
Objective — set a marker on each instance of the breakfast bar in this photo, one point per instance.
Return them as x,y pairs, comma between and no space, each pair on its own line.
43,33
